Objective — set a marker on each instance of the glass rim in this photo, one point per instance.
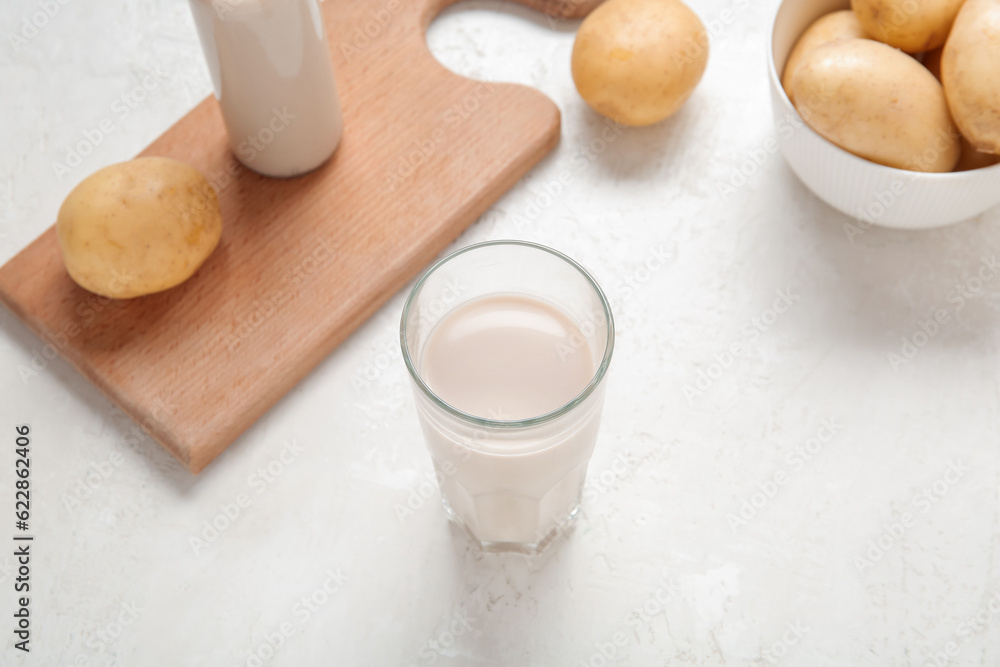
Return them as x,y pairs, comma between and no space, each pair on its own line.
514,423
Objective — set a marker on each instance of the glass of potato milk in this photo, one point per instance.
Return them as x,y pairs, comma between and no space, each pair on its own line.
507,344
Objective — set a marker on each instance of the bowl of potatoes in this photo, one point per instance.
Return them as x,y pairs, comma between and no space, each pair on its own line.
889,110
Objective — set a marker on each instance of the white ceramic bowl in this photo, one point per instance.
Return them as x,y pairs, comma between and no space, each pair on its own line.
870,192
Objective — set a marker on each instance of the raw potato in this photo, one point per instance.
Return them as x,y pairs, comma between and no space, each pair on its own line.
638,61
826,29
970,70
138,227
910,25
878,103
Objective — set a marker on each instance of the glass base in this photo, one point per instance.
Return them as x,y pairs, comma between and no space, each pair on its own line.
563,527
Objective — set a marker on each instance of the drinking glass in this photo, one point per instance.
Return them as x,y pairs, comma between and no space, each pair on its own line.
515,485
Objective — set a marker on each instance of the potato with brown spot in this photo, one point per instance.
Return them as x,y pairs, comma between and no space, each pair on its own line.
970,71
831,27
910,25
637,61
138,227
878,103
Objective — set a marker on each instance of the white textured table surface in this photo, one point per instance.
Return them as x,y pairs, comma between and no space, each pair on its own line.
657,571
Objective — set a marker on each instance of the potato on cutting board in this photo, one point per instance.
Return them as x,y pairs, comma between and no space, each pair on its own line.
138,227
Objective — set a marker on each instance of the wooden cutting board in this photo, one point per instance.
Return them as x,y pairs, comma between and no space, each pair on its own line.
302,262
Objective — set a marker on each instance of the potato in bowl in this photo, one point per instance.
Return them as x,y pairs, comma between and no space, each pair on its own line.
872,193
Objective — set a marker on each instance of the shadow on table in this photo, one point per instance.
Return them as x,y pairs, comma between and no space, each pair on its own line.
883,285
658,152
131,441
